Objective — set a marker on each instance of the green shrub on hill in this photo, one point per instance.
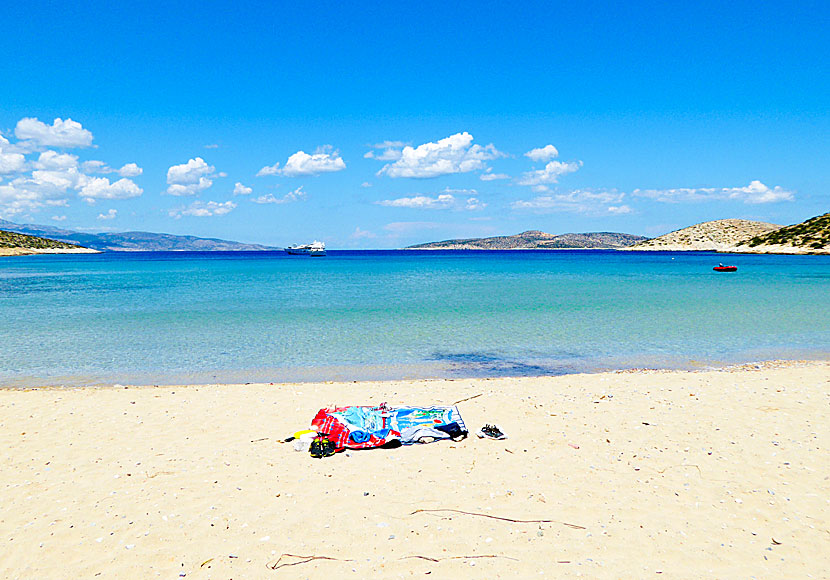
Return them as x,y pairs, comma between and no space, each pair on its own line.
813,233
13,240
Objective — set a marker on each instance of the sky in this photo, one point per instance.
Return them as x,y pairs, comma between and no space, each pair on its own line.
381,125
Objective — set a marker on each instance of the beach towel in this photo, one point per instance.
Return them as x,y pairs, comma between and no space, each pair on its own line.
364,427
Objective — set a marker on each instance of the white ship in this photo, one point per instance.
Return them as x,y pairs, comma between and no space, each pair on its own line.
313,249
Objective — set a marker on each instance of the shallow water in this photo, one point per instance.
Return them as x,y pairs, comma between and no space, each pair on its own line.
161,318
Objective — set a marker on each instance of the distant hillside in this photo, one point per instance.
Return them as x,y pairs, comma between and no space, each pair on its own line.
811,236
536,240
14,244
719,235
131,241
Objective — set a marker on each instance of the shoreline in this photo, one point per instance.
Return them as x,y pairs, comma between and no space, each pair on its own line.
707,473
748,366
6,252
384,373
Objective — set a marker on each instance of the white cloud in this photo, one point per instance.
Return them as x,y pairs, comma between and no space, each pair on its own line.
239,189
11,163
361,234
444,200
365,184
581,201
48,179
550,174
94,166
295,195
493,176
95,188
212,146
269,170
54,161
473,204
190,178
754,193
130,170
110,215
59,218
454,154
545,153
325,160
25,194
203,209
60,133
388,151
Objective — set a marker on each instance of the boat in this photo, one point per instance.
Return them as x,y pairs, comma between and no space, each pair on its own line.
722,268
313,249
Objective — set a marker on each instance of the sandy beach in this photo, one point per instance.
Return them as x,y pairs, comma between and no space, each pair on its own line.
709,474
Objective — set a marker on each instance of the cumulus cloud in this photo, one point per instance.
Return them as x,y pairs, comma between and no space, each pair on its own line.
49,177
602,202
444,200
203,209
545,153
54,161
754,193
25,194
95,188
190,178
269,170
295,195
239,189
550,174
386,151
453,154
110,215
60,133
324,160
130,170
11,163
94,166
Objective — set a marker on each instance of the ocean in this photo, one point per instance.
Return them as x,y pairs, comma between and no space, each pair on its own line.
188,317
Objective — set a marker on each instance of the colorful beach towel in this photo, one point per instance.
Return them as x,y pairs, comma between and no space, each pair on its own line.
363,427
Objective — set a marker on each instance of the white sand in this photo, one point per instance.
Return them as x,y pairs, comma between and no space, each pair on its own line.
720,474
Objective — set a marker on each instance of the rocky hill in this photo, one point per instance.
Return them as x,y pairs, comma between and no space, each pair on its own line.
132,241
14,244
719,235
811,236
536,240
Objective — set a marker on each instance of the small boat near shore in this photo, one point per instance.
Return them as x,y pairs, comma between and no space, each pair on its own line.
722,268
313,249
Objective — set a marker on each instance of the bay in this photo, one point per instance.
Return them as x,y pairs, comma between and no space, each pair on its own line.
185,317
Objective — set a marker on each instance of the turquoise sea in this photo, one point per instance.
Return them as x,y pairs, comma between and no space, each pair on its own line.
164,318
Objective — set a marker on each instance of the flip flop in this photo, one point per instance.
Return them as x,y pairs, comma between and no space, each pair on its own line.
490,432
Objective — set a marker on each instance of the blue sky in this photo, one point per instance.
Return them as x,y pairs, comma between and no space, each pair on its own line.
376,125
